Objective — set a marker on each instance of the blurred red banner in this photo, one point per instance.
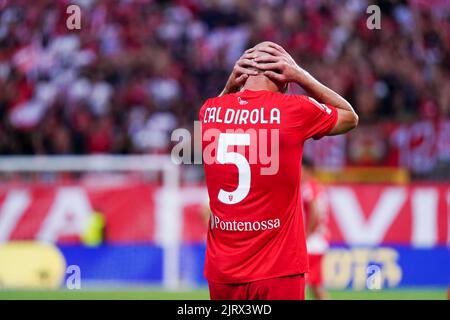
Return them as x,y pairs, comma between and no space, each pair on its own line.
370,214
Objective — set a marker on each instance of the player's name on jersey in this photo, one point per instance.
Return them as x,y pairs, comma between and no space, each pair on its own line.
242,116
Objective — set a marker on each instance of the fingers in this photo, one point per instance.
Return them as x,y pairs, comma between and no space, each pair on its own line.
246,62
267,58
274,45
249,55
277,47
241,79
274,76
269,50
269,66
240,70
268,45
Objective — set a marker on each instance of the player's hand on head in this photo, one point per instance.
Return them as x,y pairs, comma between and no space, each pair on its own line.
245,66
242,69
276,63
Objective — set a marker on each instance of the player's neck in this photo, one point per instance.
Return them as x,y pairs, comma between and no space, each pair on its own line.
260,82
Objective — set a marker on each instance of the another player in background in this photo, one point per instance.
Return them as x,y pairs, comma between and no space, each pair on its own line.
256,247
315,210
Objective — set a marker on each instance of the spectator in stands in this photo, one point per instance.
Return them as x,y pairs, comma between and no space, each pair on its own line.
137,70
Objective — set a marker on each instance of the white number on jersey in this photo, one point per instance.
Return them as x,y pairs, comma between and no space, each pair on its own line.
224,157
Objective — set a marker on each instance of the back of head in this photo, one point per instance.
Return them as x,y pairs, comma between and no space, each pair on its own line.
261,81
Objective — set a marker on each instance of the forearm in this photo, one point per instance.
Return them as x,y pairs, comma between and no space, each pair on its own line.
229,88
224,92
312,221
321,92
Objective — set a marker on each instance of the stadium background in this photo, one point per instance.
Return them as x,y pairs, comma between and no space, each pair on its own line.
85,129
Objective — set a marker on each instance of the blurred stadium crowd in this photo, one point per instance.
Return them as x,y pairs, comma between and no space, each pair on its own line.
138,69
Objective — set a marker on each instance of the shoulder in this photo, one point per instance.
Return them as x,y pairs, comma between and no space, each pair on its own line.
215,100
208,102
205,105
293,99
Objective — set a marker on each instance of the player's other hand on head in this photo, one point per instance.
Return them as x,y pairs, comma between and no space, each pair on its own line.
277,63
243,68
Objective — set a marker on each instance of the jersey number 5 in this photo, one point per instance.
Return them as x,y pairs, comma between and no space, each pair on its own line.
225,157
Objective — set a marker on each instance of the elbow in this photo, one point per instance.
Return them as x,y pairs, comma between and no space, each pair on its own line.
355,121
348,120
351,118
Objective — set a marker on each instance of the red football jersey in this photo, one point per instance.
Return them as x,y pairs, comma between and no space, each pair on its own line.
252,145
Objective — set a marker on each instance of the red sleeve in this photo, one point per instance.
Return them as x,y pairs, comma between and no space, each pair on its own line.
317,118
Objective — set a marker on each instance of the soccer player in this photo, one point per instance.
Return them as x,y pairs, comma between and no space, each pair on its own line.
252,141
315,205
